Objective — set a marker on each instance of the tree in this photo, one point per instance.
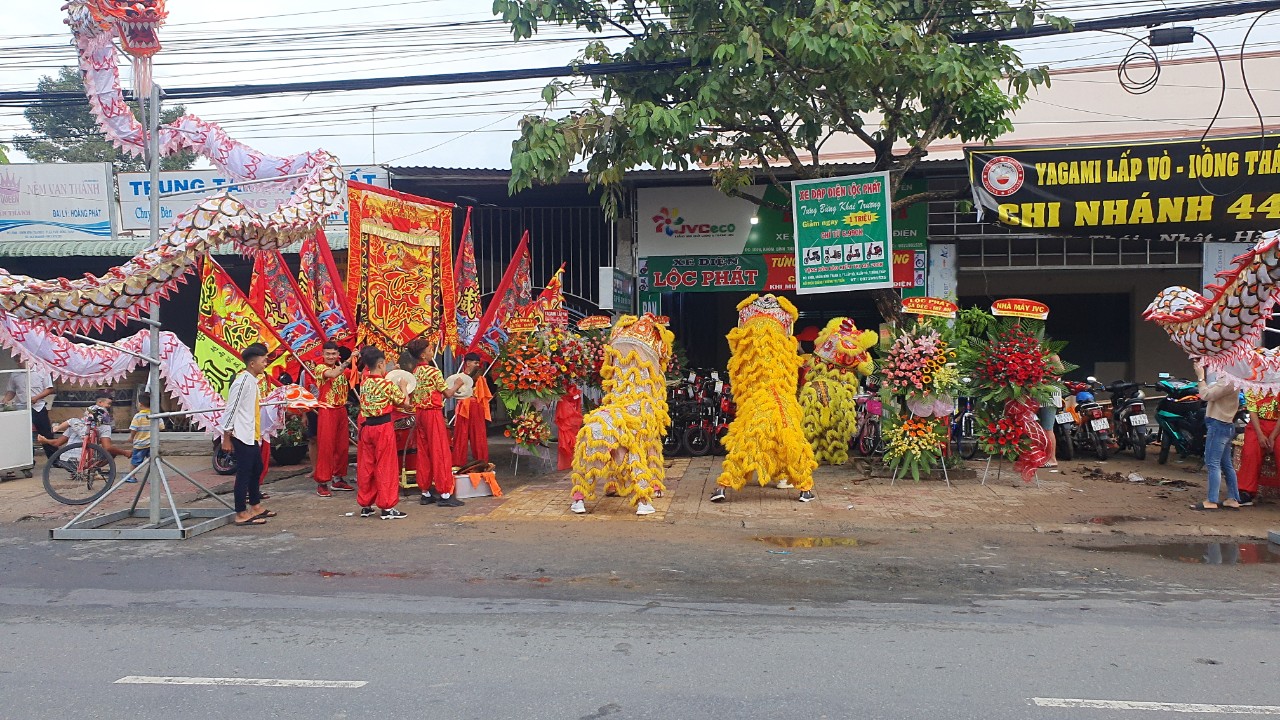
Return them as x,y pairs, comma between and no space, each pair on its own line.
4,154
69,133
768,83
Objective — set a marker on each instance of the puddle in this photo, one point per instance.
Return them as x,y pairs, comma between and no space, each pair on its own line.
1203,553
811,542
1117,519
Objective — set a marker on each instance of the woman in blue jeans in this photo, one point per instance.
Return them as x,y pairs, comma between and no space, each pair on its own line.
1222,403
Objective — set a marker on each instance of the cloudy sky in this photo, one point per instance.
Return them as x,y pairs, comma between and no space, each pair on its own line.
241,41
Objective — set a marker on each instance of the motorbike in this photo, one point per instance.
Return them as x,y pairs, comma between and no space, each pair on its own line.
1093,430
1128,416
1180,418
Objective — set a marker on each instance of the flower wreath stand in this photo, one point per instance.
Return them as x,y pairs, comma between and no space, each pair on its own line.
919,381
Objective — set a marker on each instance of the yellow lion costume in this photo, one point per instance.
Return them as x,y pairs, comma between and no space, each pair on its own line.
766,439
622,439
830,385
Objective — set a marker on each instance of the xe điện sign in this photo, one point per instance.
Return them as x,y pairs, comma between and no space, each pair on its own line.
843,233
1218,189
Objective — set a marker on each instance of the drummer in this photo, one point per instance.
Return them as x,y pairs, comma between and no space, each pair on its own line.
471,426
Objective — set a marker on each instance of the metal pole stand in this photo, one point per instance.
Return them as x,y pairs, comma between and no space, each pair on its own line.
164,521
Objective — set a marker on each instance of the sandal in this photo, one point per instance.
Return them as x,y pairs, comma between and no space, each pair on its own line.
265,514
1203,506
251,521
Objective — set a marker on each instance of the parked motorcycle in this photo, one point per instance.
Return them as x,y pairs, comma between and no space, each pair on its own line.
1180,418
1129,417
1093,430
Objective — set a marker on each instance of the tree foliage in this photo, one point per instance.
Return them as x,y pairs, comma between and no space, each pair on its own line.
69,133
768,84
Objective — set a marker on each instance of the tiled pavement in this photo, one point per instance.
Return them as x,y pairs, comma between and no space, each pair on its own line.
847,497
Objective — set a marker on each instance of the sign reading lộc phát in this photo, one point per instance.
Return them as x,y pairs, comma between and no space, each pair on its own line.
1212,190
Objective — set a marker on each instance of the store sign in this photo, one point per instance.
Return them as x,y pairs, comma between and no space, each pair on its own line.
1019,308
135,194
718,273
1219,189
844,233
617,290
55,202
943,280
705,221
595,322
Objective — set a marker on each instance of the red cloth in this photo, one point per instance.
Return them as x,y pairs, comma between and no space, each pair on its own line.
434,468
1250,473
266,461
377,467
568,423
473,431
332,444
1024,412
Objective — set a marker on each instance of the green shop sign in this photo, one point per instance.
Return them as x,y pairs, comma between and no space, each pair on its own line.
843,233
773,272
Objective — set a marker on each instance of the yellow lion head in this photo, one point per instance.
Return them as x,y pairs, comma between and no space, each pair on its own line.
843,345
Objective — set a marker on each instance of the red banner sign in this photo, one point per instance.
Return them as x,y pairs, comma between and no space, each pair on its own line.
930,306
1019,308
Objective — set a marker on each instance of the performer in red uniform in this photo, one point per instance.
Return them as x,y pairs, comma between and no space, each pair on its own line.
568,423
332,441
434,469
377,464
471,424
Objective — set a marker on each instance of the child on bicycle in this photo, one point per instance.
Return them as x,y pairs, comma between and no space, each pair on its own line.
99,415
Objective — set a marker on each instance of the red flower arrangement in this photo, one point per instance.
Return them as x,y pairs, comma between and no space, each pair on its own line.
1015,359
529,430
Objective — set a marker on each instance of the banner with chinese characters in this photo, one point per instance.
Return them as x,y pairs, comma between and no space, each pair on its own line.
1217,189
843,233
398,267
321,285
280,302
226,325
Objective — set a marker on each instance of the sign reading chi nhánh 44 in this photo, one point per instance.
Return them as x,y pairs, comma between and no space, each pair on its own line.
843,232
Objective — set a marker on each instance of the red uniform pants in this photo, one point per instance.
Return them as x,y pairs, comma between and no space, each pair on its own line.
332,444
1250,471
266,460
470,430
377,467
434,468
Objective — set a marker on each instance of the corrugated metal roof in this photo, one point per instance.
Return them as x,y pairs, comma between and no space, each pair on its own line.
117,247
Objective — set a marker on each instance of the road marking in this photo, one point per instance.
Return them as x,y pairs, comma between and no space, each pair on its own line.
1161,706
254,682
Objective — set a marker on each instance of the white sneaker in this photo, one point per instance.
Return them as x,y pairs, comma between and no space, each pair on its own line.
644,508
579,507
785,484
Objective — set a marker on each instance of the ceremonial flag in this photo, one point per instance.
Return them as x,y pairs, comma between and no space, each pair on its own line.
320,284
513,294
226,325
276,297
397,270
469,306
547,310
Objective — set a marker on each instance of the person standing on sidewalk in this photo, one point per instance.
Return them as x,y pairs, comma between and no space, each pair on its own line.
242,434
434,469
1259,441
37,385
333,443
1223,401
377,463
471,422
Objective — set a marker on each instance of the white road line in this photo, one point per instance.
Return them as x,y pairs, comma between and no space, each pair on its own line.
1159,706
254,682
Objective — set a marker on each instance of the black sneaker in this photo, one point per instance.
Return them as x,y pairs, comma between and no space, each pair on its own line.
806,496
450,501
367,512
1246,498
718,495
393,514
427,499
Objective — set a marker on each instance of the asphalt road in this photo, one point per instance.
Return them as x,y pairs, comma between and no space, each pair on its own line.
566,622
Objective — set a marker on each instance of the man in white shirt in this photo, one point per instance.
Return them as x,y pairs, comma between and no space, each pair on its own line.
242,434
40,391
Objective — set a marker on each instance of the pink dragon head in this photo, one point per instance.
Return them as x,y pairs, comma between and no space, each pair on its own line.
136,22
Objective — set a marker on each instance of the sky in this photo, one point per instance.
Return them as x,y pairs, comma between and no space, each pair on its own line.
470,126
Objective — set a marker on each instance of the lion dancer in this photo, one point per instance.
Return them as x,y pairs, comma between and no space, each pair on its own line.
333,442
621,441
377,462
766,439
830,387
471,423
434,470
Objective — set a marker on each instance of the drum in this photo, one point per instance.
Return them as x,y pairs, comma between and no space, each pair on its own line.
467,387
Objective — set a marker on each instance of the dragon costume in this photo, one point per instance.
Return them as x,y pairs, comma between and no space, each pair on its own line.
621,441
766,440
839,360
1224,331
35,314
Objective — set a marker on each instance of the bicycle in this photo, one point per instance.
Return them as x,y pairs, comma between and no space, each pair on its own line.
80,472
963,431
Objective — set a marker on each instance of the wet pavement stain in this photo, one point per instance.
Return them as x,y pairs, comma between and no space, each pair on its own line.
1116,519
1226,553
811,542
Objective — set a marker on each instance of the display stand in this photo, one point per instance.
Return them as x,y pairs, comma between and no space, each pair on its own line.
945,475
165,520
999,468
